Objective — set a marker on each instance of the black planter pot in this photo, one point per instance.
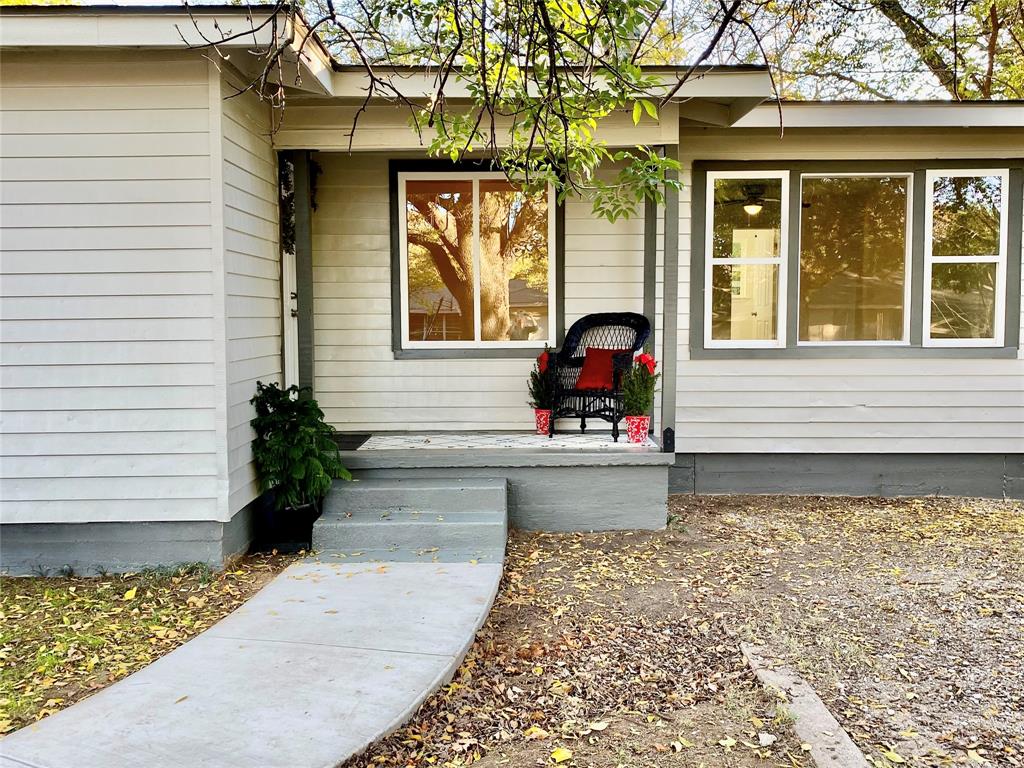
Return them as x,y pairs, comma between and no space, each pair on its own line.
288,530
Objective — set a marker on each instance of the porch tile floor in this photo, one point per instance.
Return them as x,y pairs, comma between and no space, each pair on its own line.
485,441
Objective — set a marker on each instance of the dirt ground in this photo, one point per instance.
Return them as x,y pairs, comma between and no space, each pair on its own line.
622,649
596,654
62,639
611,650
907,615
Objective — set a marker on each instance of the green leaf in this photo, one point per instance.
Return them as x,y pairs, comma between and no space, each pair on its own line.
637,111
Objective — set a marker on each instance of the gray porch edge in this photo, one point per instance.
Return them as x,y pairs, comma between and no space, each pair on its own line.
989,475
547,490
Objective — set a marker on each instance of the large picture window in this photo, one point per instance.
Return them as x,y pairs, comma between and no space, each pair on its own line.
965,257
477,262
855,259
887,258
746,247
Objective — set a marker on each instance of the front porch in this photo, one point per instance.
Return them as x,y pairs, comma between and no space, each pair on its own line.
571,482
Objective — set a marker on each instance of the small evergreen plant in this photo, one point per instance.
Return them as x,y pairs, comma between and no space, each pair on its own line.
294,449
639,384
542,383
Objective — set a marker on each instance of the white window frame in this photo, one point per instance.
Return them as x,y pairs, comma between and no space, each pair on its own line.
782,260
999,259
476,343
908,253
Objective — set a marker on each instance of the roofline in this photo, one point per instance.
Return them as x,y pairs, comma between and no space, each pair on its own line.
656,69
877,103
885,114
77,10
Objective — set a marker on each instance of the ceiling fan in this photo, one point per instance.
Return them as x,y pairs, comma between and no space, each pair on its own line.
753,199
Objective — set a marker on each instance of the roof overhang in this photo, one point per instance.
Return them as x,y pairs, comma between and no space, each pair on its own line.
715,96
712,95
173,27
887,114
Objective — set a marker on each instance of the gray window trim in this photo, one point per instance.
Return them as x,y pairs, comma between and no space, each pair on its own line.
444,166
1015,203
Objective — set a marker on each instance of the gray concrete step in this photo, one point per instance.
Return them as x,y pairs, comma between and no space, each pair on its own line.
413,517
341,535
441,495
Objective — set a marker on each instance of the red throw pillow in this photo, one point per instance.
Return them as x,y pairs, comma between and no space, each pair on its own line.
598,372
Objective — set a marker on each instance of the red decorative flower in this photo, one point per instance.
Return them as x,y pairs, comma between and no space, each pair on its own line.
542,361
648,361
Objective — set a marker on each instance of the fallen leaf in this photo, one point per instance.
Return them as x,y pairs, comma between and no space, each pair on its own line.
893,756
561,755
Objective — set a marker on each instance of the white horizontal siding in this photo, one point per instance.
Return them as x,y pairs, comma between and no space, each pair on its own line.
107,354
252,269
359,384
843,405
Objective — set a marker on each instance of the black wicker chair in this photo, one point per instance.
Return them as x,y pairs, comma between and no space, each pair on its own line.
604,330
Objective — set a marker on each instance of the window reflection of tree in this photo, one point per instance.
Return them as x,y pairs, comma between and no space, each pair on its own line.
852,258
965,223
513,246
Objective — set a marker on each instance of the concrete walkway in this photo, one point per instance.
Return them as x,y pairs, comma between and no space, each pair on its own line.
327,658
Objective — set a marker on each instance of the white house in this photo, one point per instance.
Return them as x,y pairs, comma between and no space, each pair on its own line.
836,309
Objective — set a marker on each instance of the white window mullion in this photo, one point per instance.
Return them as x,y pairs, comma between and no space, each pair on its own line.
477,336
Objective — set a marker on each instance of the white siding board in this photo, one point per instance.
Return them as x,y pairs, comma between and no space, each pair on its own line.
178,329
106,145
252,263
196,444
48,193
80,510
56,121
147,167
106,361
140,305
120,214
91,375
872,405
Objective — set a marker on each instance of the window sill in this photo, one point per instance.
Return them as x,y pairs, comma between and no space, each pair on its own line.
471,353
853,352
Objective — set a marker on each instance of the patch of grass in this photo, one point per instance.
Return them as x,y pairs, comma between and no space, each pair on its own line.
62,639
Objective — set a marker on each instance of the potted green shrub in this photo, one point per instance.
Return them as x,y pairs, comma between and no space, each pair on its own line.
297,460
638,387
542,392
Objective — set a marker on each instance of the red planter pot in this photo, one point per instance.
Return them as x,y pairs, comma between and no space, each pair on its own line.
542,417
637,428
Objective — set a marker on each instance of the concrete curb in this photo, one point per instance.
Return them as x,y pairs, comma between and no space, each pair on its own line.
831,746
